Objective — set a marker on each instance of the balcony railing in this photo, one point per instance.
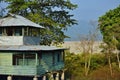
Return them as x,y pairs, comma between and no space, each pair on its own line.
19,40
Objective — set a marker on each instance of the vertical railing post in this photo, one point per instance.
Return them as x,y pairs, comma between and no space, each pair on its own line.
23,59
23,31
36,59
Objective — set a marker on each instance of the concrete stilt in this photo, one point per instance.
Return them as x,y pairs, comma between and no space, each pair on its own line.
44,78
9,78
62,76
57,76
35,78
51,77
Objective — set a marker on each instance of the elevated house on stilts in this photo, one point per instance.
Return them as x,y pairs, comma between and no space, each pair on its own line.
21,56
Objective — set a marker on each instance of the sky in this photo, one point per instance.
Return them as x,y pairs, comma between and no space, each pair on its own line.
87,11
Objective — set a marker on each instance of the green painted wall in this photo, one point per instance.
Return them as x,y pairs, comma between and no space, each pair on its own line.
18,70
45,64
47,60
6,59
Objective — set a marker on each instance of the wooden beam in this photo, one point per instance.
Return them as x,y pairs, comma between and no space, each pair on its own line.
23,31
36,59
5,32
27,31
23,59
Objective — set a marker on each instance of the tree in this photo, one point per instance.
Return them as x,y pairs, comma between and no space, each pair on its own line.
74,66
87,45
110,28
52,14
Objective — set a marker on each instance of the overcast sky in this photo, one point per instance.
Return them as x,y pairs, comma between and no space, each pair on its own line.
88,10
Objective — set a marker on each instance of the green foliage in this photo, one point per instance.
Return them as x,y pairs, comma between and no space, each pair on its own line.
99,69
74,63
52,14
97,61
110,27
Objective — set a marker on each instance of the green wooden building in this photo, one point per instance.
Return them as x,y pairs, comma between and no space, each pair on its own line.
21,56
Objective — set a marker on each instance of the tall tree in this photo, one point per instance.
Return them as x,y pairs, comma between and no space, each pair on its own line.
52,14
86,45
110,28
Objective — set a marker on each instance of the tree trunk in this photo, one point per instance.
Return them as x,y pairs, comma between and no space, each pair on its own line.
110,65
118,59
89,62
86,65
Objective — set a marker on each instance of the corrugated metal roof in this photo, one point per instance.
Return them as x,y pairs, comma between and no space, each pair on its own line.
29,48
17,20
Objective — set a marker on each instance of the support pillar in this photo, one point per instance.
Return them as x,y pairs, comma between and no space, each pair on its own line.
62,76
51,77
44,78
35,78
57,76
9,78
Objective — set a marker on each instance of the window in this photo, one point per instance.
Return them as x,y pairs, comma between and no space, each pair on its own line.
25,31
1,31
53,58
18,59
9,31
29,59
39,58
24,59
18,32
58,57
